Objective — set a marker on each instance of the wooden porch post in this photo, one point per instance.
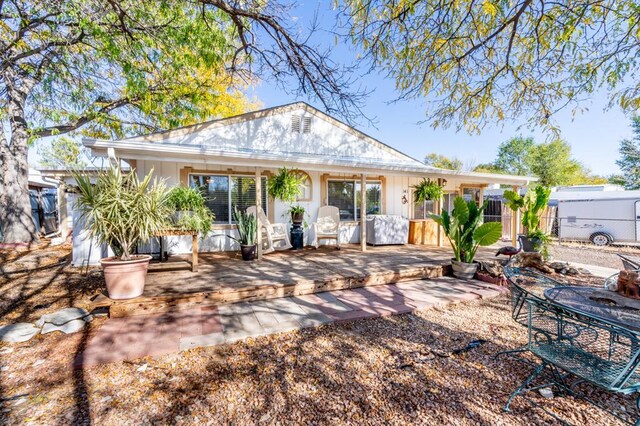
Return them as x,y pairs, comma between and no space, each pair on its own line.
258,207
514,224
363,212
438,210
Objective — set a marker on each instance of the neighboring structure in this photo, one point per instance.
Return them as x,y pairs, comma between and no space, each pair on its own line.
226,157
43,194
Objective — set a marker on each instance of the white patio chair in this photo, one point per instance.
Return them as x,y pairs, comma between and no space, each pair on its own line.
327,226
275,236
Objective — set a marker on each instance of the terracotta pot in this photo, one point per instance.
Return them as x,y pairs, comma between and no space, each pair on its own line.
125,278
249,252
462,270
297,218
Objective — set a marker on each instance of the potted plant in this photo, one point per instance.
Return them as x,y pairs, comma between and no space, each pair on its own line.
247,230
286,186
466,232
531,207
426,190
120,210
297,214
190,212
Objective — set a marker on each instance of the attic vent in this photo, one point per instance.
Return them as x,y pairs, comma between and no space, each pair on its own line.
306,125
295,124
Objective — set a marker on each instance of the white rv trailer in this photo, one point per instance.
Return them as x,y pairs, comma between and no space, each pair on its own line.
600,217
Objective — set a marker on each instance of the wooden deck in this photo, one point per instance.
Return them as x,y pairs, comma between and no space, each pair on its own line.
225,278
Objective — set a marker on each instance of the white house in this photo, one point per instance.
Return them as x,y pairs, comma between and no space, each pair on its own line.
227,155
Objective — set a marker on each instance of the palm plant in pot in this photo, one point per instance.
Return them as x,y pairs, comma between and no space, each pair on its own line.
464,228
247,233
121,210
531,206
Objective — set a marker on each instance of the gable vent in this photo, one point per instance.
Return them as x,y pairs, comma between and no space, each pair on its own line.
306,125
295,124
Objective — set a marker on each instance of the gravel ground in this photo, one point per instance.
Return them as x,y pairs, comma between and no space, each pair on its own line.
592,255
395,370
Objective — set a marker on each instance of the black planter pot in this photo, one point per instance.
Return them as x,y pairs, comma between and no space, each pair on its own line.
529,244
297,218
249,252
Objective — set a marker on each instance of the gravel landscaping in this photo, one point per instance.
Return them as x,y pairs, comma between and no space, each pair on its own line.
591,255
393,370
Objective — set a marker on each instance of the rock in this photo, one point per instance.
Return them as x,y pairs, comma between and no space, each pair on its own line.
6,350
67,328
4,368
38,362
64,316
143,368
546,392
19,332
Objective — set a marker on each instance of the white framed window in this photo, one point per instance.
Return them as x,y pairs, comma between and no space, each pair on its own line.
224,192
345,195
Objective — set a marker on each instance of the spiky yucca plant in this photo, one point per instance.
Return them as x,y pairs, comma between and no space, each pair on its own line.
247,227
122,210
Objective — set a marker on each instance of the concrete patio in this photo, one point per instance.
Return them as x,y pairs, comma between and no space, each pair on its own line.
156,334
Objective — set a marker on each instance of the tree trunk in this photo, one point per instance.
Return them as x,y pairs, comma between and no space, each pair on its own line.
16,222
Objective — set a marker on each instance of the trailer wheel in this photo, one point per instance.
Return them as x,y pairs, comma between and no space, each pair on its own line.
601,239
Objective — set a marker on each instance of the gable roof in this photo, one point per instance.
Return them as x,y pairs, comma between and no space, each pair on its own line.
265,138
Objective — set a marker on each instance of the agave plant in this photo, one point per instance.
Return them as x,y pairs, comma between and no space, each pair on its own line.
247,227
122,210
465,230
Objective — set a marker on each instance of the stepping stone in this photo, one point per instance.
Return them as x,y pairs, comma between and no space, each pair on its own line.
67,320
64,316
67,328
19,332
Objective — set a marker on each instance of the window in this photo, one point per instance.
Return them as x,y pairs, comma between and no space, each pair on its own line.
422,210
345,195
223,192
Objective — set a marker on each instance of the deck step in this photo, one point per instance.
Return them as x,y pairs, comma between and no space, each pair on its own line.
175,301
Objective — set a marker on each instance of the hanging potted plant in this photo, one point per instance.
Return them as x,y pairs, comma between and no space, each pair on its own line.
464,228
247,233
427,190
121,211
190,212
531,207
286,186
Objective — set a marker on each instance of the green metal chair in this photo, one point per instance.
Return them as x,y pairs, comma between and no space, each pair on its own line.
574,344
524,283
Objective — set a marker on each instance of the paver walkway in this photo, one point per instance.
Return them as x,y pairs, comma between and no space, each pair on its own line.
137,336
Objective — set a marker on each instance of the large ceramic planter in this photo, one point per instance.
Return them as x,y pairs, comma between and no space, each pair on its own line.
462,270
249,252
125,278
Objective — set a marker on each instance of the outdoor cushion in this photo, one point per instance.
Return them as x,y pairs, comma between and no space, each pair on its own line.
387,229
